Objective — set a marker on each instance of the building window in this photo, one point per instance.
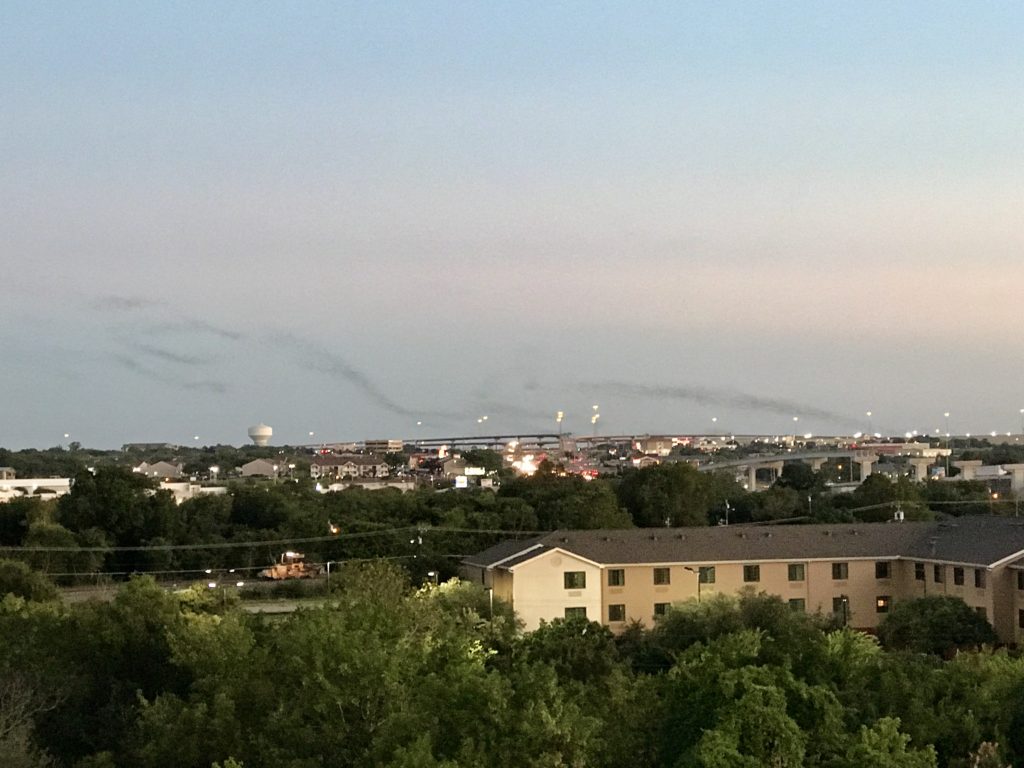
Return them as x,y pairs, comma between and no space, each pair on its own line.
660,609
796,572
1020,618
1020,579
883,569
958,576
707,574
751,573
938,574
840,571
575,579
882,603
576,613
798,604
662,576
979,578
616,577
616,612
981,611
919,571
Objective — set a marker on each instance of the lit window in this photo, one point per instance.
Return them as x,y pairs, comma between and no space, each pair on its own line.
616,612
575,580
616,577
751,573
662,576
882,603
797,572
840,571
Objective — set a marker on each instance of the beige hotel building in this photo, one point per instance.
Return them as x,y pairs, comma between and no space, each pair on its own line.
856,570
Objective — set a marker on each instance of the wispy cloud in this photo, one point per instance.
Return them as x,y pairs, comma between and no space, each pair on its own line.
721,397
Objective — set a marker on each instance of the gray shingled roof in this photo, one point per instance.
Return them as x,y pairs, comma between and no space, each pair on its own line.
972,540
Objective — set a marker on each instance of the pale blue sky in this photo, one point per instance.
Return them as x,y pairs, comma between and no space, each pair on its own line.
347,217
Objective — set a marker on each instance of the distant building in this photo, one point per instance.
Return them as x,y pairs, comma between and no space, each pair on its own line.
371,484
185,491
162,469
261,468
348,465
384,446
7,473
147,447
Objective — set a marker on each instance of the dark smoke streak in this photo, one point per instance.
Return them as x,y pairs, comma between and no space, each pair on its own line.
720,397
316,358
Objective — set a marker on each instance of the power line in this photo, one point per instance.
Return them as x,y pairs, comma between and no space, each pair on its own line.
221,572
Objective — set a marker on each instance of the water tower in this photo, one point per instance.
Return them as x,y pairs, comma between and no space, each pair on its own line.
261,434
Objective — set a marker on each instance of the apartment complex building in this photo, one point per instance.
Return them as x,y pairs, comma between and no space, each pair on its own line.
857,571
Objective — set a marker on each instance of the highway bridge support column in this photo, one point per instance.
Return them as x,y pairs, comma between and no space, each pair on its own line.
865,467
1016,476
967,468
920,466
752,478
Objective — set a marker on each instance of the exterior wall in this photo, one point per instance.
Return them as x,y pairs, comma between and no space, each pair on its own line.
539,591
639,593
1007,623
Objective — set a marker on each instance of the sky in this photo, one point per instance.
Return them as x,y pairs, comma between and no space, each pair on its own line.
370,220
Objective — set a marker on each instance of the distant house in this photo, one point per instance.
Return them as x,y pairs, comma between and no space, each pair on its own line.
261,468
163,469
348,465
7,473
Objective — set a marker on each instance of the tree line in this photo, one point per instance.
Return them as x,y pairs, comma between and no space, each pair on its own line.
392,675
117,522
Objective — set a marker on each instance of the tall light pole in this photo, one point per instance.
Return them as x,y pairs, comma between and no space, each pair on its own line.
696,571
558,420
949,449
870,428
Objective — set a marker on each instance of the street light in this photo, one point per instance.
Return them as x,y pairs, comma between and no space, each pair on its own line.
949,450
696,571
558,420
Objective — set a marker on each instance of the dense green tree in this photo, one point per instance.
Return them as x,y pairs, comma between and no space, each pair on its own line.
17,578
935,624
673,494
